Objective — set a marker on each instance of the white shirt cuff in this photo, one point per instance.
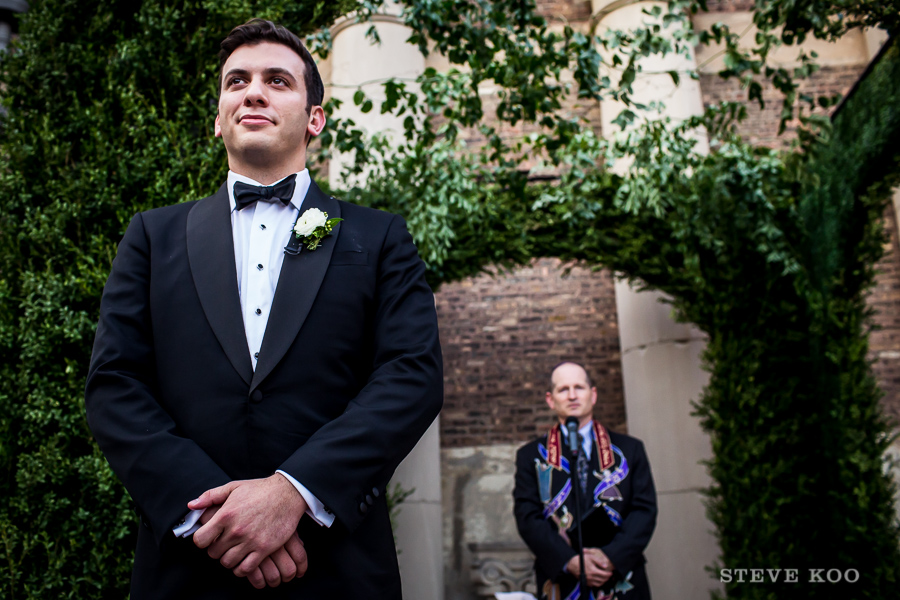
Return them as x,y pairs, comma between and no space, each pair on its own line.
189,525
316,509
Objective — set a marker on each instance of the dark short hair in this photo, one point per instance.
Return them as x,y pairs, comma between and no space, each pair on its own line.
257,31
571,362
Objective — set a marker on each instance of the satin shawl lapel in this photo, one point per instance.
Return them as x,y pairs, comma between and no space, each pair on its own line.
298,284
211,256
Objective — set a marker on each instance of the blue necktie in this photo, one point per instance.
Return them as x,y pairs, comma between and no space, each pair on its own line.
582,466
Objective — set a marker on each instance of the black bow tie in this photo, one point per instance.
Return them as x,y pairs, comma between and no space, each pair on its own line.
246,194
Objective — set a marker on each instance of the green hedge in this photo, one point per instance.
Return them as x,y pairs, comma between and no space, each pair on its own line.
792,406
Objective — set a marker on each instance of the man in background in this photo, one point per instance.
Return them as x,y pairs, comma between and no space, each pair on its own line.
618,500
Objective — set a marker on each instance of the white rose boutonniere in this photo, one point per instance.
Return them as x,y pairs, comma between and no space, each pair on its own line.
309,230
308,221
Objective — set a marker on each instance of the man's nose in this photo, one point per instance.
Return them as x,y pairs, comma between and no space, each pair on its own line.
256,94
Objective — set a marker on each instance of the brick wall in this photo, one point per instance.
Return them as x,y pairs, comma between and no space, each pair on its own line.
564,10
884,343
730,5
761,125
501,338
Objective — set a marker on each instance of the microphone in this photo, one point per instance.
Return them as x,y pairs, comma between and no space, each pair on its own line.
572,430
572,435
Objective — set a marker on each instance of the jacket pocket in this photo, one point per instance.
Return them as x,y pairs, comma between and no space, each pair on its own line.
353,257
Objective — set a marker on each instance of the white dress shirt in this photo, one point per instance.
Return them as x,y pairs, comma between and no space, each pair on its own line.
260,232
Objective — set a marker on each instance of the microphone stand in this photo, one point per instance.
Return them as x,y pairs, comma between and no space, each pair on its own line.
576,451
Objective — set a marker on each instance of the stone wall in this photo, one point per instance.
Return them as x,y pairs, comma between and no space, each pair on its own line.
476,485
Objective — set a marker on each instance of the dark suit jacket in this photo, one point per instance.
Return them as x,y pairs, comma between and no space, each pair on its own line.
348,378
624,543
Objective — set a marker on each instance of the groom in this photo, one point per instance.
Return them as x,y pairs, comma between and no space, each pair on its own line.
255,403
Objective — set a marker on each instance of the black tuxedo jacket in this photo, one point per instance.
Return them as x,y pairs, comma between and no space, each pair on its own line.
348,378
631,502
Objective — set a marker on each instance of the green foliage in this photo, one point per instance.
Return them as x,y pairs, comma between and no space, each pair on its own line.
396,495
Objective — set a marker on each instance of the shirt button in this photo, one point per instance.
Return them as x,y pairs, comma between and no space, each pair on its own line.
259,267
261,226
256,355
259,311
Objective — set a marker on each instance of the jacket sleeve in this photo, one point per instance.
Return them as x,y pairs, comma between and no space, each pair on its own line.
540,534
400,399
161,469
627,547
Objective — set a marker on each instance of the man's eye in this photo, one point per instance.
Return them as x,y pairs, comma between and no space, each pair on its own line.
278,81
235,81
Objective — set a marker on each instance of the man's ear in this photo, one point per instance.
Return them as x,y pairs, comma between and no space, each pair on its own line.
549,399
218,128
316,121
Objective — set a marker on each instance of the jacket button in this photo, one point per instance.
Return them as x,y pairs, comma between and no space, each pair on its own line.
256,396
363,507
369,499
375,492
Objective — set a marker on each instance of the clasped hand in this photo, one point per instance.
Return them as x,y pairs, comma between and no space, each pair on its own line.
250,527
597,567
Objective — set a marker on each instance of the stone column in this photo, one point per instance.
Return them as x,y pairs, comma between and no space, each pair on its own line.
661,361
5,34
419,531
655,83
358,63
896,200
8,8
874,39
